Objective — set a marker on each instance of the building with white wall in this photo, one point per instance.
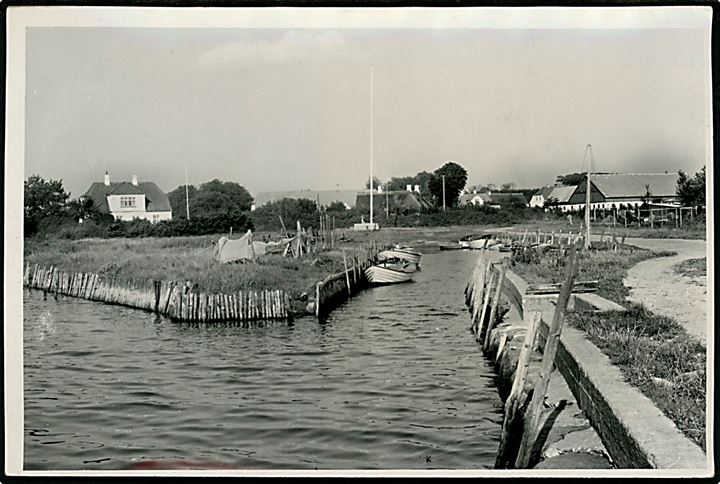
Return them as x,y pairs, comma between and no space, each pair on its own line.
130,200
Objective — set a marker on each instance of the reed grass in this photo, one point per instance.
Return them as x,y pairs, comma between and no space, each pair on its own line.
186,259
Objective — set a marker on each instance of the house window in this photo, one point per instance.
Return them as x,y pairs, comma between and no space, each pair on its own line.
156,218
127,202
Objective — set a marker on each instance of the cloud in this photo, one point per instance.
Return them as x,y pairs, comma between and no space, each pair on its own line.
292,48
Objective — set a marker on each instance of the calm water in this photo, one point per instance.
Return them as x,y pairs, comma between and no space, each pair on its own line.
393,380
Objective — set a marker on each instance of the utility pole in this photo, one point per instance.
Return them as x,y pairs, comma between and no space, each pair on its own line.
443,179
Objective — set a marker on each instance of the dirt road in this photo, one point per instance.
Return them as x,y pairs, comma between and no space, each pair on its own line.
655,284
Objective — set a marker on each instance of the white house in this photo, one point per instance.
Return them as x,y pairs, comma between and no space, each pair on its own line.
474,198
130,200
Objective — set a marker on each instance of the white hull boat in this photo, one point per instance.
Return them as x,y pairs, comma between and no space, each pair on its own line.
405,254
480,243
389,273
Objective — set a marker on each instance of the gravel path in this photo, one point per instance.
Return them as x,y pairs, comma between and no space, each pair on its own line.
655,284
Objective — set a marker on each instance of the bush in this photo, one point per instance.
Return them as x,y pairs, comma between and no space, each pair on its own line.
239,222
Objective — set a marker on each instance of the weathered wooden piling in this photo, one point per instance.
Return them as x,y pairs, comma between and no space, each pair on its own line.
167,298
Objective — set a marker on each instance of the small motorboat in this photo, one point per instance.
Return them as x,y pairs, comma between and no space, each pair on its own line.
453,247
478,241
390,272
401,253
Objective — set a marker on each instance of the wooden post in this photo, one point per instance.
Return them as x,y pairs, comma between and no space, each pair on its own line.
505,456
347,274
534,412
478,293
481,322
496,301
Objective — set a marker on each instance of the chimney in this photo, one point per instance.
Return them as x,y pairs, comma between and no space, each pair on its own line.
107,179
417,188
134,180
408,188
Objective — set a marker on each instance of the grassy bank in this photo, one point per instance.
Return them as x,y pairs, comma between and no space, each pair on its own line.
655,353
188,259
605,266
692,268
656,356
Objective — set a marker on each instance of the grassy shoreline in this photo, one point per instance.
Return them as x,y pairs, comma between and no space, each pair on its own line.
654,353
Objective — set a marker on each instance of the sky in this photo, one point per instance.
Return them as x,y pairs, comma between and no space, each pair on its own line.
289,109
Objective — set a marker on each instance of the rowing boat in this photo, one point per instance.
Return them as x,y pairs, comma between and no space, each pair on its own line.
390,273
402,253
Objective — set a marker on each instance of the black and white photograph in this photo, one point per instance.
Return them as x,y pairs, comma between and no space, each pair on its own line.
363,242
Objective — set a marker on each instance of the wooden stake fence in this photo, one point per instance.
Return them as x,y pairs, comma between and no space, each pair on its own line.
168,298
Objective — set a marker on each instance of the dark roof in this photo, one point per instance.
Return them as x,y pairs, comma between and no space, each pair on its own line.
496,197
626,185
396,199
156,200
544,191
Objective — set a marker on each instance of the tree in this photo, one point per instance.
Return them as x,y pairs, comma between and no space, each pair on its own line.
292,210
399,183
211,198
177,200
422,179
85,209
44,198
571,179
691,190
506,187
45,202
455,179
376,182
336,206
551,202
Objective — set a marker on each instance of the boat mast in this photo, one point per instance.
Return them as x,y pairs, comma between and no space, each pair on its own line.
371,145
588,149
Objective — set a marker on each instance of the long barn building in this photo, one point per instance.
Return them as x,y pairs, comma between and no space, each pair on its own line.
616,190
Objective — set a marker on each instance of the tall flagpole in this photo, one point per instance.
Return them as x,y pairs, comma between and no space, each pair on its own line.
587,198
372,74
187,197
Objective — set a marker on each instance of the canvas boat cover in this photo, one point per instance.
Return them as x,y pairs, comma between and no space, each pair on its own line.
231,250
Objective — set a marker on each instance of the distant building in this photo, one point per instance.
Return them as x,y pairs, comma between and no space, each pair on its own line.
130,200
347,197
541,196
556,196
493,199
608,191
474,198
400,200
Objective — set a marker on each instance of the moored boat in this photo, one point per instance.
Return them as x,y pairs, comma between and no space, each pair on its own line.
402,253
453,247
390,273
